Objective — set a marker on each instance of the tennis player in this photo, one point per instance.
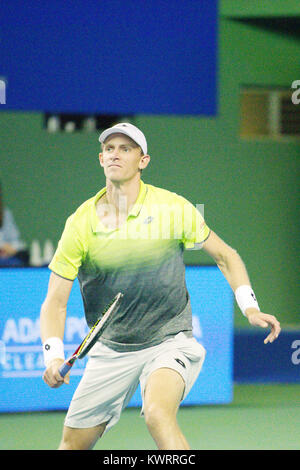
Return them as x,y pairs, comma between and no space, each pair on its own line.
130,238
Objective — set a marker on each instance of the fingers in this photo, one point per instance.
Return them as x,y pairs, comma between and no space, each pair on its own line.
264,320
53,380
271,337
262,324
275,330
52,376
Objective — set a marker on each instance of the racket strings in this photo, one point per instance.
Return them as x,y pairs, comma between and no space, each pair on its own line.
107,307
97,328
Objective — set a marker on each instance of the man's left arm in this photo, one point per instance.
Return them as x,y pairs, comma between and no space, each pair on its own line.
234,270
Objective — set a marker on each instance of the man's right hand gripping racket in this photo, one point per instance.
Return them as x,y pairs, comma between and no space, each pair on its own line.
92,336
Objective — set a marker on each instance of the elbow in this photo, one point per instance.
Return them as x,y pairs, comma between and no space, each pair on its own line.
43,309
226,258
52,306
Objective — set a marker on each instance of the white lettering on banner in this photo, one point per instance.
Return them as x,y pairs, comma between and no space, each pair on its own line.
10,332
2,352
296,354
296,94
25,330
21,348
76,328
28,361
22,331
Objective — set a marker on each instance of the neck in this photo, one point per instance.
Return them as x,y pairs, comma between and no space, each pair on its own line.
122,195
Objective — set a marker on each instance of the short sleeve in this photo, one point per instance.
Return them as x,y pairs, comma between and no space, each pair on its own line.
69,253
195,229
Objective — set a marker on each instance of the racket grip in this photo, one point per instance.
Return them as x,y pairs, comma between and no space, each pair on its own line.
64,369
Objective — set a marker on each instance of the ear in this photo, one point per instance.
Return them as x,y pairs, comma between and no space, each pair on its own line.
144,162
101,159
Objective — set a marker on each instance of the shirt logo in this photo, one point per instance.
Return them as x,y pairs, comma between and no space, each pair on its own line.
148,220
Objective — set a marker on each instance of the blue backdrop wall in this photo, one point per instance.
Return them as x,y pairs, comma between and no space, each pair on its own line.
22,292
112,56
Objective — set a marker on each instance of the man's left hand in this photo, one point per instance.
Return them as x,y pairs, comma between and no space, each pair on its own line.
264,320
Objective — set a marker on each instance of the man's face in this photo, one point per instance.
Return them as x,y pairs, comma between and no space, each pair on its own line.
121,158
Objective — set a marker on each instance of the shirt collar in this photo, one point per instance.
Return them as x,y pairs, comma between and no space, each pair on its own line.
136,209
134,212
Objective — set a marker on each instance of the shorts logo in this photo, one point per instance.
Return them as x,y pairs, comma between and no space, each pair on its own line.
180,362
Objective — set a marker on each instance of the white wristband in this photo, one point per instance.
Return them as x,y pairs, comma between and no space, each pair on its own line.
245,298
53,348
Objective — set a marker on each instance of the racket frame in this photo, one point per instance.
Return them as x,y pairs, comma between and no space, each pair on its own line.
92,337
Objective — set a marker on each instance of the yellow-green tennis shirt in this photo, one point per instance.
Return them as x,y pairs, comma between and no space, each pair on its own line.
143,259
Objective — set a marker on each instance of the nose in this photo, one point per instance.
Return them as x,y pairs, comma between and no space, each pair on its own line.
114,157
115,154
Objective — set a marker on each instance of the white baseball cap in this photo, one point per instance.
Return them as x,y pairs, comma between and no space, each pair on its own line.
128,129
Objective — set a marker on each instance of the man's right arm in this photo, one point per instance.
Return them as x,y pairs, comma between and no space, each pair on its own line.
52,323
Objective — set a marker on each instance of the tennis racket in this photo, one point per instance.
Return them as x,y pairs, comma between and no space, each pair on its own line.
92,336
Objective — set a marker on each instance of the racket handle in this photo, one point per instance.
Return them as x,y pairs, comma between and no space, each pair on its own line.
64,369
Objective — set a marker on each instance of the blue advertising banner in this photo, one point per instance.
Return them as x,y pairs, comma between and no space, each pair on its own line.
110,56
22,292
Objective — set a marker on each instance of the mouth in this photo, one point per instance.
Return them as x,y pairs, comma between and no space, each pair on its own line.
114,164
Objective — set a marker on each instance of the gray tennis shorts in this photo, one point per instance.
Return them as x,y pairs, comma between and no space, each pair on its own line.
111,378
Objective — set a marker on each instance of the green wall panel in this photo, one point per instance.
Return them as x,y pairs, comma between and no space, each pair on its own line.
249,188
